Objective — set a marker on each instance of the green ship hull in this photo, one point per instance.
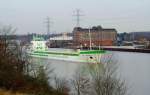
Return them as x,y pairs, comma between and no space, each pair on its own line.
83,56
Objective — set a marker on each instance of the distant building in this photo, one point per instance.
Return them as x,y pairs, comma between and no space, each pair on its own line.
63,36
98,36
60,40
138,39
137,36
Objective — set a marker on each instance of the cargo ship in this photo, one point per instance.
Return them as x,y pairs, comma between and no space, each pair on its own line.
39,49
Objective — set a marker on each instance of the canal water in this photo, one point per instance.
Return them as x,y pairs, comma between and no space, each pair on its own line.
134,68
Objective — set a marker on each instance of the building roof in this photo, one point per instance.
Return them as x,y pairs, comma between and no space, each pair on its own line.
61,37
94,29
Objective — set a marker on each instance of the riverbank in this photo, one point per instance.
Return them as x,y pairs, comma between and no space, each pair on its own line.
128,50
122,48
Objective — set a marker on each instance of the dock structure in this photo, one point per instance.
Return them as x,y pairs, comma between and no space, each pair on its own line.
122,48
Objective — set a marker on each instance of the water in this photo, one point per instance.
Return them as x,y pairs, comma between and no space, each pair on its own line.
134,68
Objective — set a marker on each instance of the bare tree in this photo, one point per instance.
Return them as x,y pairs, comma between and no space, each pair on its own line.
80,83
11,63
105,80
61,85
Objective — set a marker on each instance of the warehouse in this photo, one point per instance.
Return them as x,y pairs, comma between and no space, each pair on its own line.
95,36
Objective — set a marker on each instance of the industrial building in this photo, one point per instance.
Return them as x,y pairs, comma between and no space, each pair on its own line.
95,36
62,40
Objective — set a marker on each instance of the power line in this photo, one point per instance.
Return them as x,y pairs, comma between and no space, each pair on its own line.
49,24
78,15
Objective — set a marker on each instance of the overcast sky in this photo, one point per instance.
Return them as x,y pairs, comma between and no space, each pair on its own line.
29,16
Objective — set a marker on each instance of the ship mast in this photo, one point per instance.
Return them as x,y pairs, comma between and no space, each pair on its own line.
90,38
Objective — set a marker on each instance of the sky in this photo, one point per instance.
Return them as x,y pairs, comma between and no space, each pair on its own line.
29,16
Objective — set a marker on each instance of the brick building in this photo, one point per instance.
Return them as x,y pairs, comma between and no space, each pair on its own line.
99,36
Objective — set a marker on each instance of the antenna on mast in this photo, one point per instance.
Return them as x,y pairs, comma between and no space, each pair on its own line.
78,15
